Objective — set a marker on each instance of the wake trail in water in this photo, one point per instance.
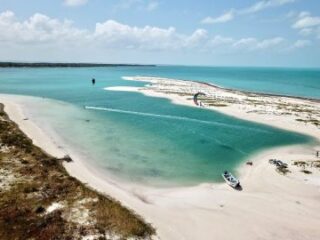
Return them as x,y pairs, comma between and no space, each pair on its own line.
172,117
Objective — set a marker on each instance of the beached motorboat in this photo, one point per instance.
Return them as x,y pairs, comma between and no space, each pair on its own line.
230,179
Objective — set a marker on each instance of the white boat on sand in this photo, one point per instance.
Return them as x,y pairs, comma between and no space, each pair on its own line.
230,179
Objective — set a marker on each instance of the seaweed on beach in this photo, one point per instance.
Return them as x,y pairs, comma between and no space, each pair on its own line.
39,200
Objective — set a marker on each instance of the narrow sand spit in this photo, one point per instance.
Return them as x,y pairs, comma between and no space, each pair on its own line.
270,206
275,110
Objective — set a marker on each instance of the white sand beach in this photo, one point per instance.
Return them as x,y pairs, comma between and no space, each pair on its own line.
270,205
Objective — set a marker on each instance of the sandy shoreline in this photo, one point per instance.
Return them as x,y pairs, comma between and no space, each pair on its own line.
271,206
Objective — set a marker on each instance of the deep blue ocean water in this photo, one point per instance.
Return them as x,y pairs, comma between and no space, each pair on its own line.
149,140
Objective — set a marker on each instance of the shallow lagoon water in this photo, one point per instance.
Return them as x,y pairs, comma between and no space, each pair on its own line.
142,139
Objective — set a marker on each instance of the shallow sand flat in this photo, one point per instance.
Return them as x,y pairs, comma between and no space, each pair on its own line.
271,206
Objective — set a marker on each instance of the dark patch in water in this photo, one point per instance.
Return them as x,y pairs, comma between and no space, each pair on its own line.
227,147
152,172
115,149
163,151
204,141
138,157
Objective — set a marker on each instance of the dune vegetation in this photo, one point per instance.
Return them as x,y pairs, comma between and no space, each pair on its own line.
40,200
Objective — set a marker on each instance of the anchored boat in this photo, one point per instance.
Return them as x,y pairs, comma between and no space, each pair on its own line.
230,179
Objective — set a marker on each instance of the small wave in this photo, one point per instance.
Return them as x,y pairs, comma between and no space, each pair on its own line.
172,117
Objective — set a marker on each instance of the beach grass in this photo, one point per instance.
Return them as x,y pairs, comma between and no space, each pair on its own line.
40,200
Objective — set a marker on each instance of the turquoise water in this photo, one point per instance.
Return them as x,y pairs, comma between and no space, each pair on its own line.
294,82
149,140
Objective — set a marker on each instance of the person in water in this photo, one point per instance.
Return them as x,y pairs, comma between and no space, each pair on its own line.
93,81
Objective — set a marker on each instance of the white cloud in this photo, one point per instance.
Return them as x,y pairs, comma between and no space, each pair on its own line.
226,17
268,43
197,37
298,45
113,33
42,31
74,3
257,7
301,43
246,43
306,31
219,40
6,16
38,28
307,25
121,35
305,20
255,44
303,14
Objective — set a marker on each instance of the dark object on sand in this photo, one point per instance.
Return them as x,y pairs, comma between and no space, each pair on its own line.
281,167
306,171
249,163
278,163
93,81
66,158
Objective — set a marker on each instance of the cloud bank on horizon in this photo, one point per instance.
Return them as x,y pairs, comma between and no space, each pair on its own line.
290,35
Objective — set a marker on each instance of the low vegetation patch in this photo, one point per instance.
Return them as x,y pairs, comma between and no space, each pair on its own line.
42,202
217,105
283,170
213,102
310,164
311,121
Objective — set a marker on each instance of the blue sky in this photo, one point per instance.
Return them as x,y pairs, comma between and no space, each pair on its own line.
216,32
